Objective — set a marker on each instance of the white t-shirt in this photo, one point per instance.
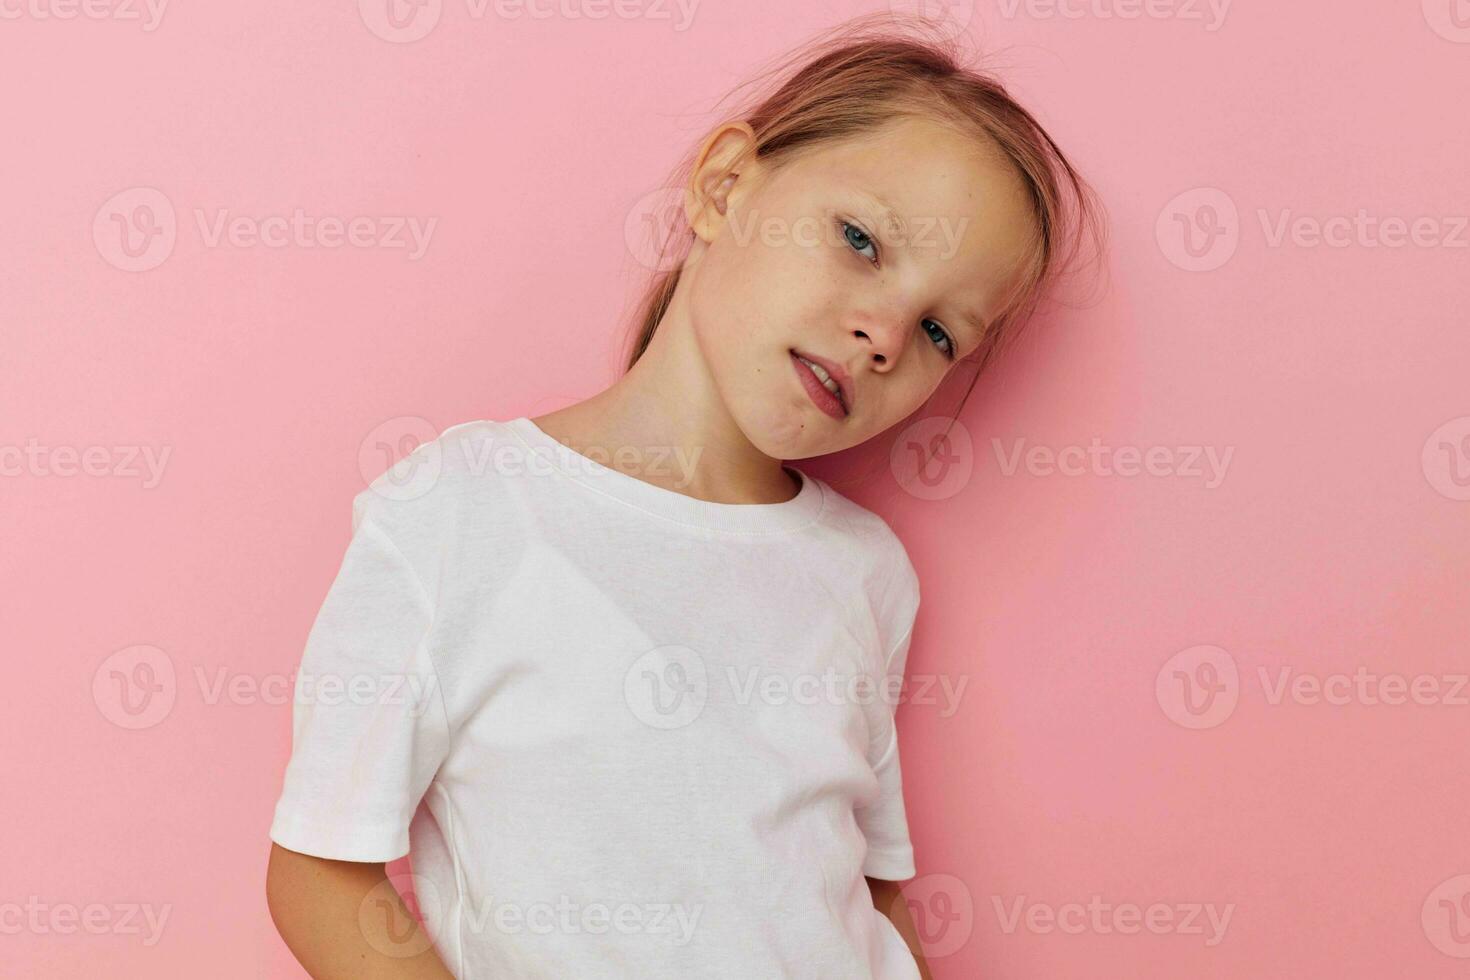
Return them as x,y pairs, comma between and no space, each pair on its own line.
625,732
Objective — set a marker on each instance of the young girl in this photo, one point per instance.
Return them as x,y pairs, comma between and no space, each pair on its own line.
634,718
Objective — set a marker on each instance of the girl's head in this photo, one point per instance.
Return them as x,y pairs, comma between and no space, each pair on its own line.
886,211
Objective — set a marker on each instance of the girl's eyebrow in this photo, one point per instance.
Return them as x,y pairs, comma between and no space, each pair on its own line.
886,212
976,320
973,315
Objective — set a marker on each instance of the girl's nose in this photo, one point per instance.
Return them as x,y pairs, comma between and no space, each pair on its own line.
882,335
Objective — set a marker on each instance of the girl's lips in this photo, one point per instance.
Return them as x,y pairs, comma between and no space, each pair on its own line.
817,391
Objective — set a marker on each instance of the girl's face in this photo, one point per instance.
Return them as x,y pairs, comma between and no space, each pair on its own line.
807,260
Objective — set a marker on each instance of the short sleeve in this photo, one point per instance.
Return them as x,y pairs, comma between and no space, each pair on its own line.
884,822
369,729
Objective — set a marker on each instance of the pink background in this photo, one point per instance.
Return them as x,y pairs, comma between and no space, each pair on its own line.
1073,766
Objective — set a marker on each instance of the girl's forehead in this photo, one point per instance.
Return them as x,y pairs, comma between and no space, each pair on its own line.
943,168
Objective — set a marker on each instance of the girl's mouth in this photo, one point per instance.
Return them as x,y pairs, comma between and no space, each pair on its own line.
816,381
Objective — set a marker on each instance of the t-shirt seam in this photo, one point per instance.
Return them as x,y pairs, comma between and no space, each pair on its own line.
888,749
815,519
428,604
893,652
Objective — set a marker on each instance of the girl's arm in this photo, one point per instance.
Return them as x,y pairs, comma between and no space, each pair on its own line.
888,899
317,906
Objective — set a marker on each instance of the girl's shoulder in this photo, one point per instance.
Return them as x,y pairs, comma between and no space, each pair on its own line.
889,576
433,493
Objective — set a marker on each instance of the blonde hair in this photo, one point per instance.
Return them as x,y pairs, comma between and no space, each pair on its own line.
880,68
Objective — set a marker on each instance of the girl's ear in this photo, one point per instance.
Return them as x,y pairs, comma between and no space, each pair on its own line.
716,174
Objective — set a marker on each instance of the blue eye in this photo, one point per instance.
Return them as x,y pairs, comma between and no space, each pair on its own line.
943,338
859,239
